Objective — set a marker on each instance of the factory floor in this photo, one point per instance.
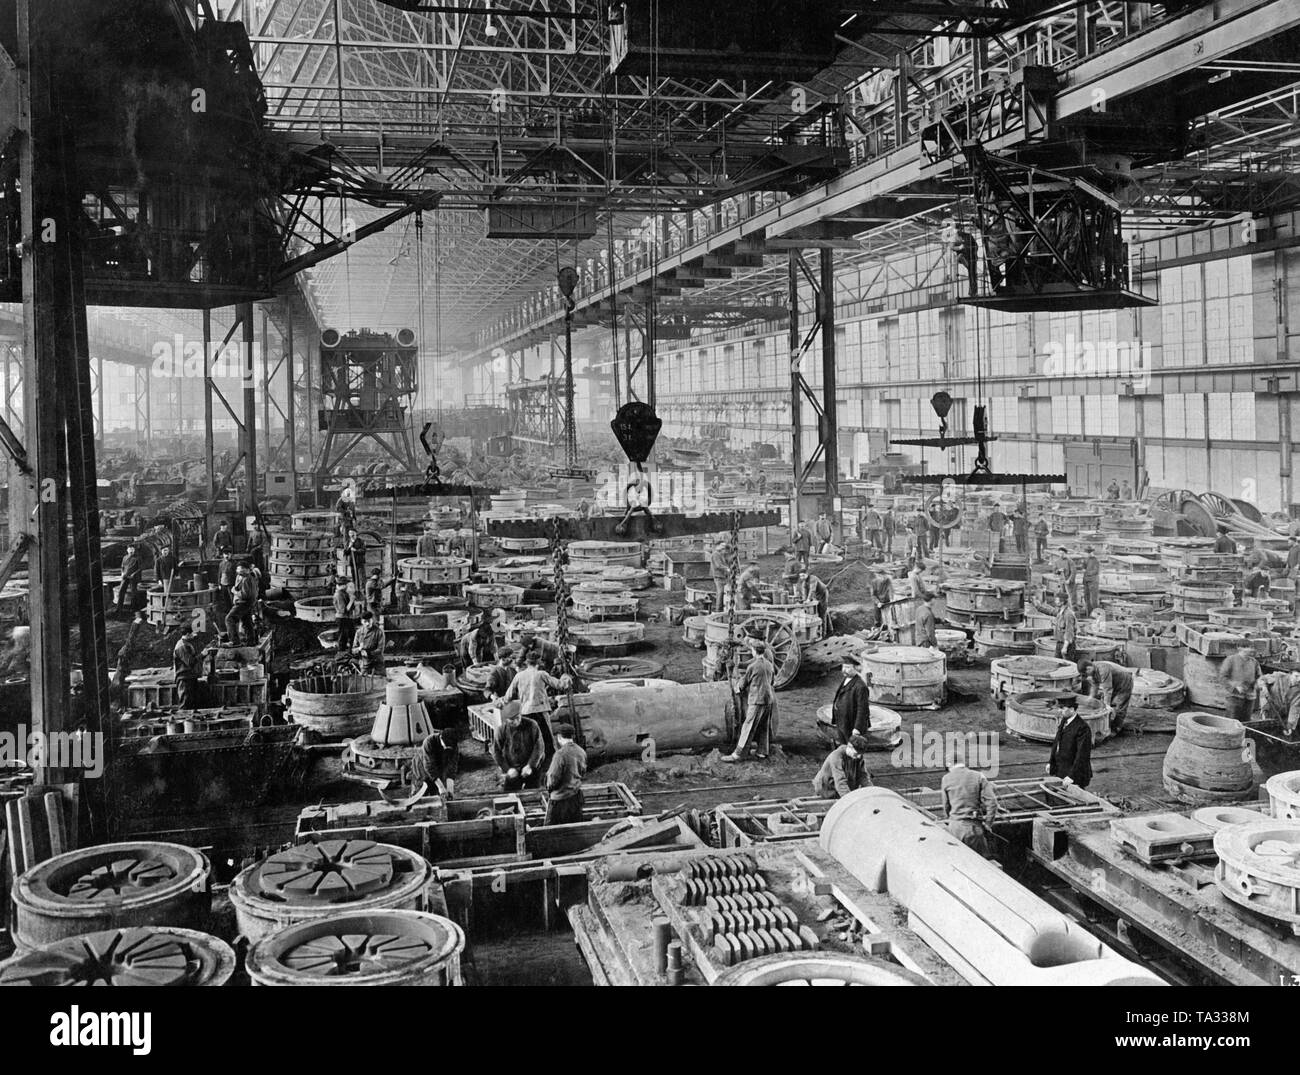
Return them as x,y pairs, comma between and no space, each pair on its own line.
1127,769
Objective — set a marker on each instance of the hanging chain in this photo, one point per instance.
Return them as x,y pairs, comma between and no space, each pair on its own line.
559,557
733,575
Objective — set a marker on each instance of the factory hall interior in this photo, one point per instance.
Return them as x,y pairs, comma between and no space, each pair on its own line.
524,493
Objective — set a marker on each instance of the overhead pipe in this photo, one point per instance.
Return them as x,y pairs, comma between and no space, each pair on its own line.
990,928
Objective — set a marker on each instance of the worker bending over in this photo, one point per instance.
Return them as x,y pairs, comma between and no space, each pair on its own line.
811,588
1241,672
843,771
500,675
517,749
969,804
564,779
1113,684
438,763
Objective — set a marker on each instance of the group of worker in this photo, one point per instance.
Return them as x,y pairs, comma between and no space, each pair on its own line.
529,750
968,801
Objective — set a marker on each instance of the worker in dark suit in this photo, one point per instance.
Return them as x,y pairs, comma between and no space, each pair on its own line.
1071,757
851,709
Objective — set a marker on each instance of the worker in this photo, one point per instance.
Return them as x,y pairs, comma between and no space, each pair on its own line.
1066,572
1065,632
345,614
920,527
132,569
243,600
1040,539
1071,756
186,664
368,645
715,486
802,542
749,588
354,556
164,567
1112,490
226,572
530,688
564,779
844,770
1241,673
517,749
720,569
428,544
811,588
1255,580
1113,684
1020,530
851,707
346,507
437,764
375,587
483,641
755,688
823,531
1224,544
222,542
256,552
500,675
997,524
873,526
924,634
1126,490
969,804
1280,699
1091,581
882,589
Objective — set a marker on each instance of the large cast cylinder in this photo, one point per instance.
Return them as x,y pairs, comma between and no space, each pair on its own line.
678,717
992,929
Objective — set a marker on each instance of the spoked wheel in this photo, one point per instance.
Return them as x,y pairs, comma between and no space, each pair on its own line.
777,633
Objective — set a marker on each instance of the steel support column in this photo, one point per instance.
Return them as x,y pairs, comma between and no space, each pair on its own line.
209,440
58,450
829,431
248,433
822,286
290,416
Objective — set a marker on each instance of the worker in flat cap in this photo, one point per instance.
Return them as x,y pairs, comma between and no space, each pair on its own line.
1091,581
755,687
437,763
844,770
517,749
564,779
